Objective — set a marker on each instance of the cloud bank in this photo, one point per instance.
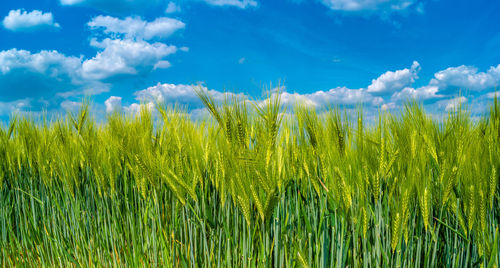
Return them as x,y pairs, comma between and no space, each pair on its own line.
22,20
124,48
387,92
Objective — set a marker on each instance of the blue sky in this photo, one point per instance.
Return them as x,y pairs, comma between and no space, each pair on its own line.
326,52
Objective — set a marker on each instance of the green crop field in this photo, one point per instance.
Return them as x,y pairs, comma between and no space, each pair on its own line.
251,186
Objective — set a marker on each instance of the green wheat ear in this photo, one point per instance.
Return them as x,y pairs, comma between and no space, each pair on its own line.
449,184
302,259
245,208
471,208
364,217
425,203
482,210
492,185
396,231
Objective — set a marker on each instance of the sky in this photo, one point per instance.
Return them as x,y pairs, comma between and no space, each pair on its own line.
121,53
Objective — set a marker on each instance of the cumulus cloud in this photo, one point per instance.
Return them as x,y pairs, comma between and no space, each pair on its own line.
334,96
127,51
44,72
467,78
123,50
50,63
135,27
388,92
386,83
451,80
163,64
393,81
114,57
183,94
118,57
368,5
236,3
289,99
21,20
422,93
124,57
113,104
167,92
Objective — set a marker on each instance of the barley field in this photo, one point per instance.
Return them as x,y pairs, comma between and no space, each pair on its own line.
251,186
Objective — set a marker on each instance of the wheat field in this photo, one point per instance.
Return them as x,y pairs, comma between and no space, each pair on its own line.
252,185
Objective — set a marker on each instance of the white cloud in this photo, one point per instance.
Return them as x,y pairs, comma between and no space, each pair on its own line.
467,78
492,95
396,82
387,91
387,83
113,104
6,108
47,71
461,77
135,108
51,73
172,8
332,97
290,99
170,94
135,27
127,52
368,5
421,93
117,57
393,81
342,95
49,63
236,3
23,73
21,20
455,102
163,64
184,94
124,57
122,50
